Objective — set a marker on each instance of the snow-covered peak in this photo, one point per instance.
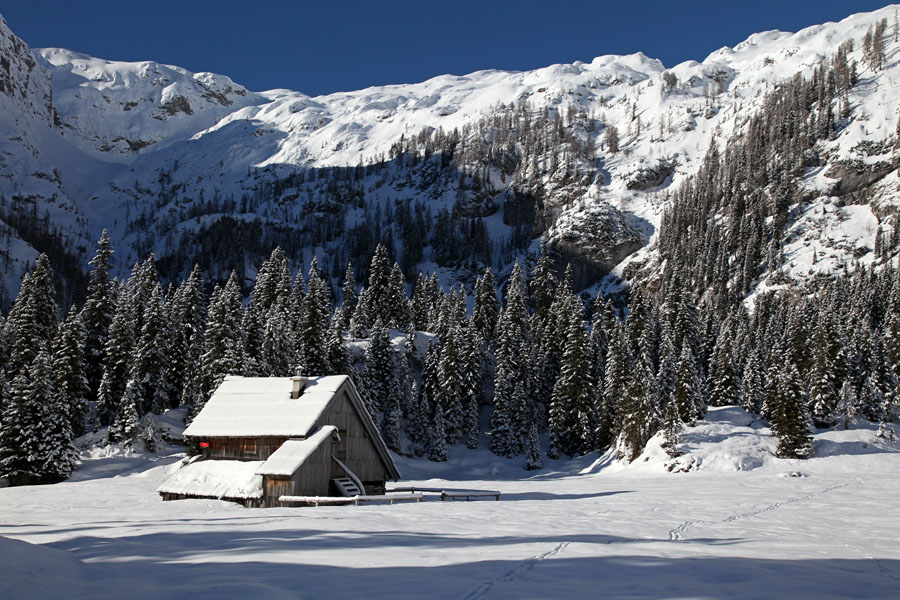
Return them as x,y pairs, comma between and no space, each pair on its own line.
116,107
24,86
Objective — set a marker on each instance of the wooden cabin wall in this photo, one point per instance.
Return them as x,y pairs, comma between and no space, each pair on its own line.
311,479
246,448
361,454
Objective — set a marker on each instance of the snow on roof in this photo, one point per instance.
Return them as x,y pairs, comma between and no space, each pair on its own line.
262,406
216,479
288,458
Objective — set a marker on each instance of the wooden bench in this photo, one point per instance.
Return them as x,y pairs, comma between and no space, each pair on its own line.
471,494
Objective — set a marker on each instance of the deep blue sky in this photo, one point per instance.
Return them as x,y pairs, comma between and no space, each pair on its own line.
320,47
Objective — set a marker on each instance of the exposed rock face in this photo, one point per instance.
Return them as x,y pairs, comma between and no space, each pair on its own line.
855,175
651,177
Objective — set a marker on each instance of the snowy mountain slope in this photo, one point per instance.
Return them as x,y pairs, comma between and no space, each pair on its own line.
147,144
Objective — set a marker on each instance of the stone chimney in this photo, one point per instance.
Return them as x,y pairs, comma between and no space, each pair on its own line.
298,382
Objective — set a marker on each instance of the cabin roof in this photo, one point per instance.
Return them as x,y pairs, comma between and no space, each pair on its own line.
216,479
290,456
262,406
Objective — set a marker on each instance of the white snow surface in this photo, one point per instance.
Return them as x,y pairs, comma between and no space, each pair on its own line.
740,524
216,478
288,458
262,406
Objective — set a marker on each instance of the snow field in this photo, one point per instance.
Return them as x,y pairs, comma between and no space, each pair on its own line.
586,526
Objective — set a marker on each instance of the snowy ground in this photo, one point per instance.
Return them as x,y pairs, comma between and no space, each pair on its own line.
735,524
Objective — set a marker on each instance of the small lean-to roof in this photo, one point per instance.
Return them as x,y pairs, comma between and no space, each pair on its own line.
216,479
288,458
262,406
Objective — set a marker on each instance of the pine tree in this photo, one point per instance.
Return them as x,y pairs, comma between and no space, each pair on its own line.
790,418
615,382
510,413
151,357
279,355
572,416
34,319
125,423
686,396
379,372
119,346
753,388
273,282
848,405
486,309
187,316
673,426
533,461
35,435
823,384
725,386
377,304
98,311
338,355
222,344
641,417
348,296
543,283
69,369
314,324
391,425
396,300
450,388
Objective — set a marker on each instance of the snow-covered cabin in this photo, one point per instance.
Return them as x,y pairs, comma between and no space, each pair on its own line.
266,437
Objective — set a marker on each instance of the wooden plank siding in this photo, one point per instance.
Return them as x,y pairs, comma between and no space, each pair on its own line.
311,479
361,454
242,448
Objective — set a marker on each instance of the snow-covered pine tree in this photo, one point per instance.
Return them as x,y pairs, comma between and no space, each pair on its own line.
543,282
472,378
450,388
119,355
686,395
348,297
435,435
98,311
572,414
34,319
790,417
391,426
641,418
725,386
278,352
667,375
222,344
615,382
533,461
509,418
486,308
753,387
186,310
848,405
823,392
673,426
377,305
124,424
69,371
250,335
314,324
396,300
378,376
273,283
35,435
151,357
338,354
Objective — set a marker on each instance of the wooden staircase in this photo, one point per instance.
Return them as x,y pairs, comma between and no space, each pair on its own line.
347,487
